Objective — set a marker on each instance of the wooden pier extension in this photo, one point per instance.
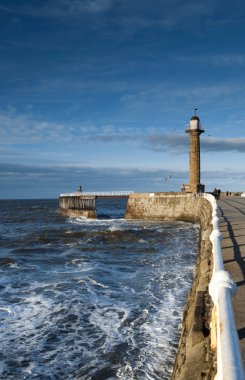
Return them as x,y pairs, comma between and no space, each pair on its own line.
84,204
78,205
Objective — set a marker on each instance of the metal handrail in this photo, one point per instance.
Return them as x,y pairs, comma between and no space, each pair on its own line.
188,128
221,289
109,193
98,193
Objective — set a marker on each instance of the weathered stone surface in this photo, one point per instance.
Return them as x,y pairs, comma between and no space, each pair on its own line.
90,214
194,359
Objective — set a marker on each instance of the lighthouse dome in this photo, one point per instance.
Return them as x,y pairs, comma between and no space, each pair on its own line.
195,118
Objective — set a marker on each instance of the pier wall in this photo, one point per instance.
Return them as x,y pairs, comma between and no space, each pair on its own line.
78,205
194,359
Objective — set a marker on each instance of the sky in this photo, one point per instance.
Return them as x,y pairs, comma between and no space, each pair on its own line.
98,92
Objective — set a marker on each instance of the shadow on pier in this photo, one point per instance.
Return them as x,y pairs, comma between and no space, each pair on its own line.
232,227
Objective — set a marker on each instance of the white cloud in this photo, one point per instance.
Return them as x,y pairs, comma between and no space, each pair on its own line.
95,5
226,59
180,144
62,9
211,59
206,93
213,144
33,181
129,15
165,15
168,94
25,129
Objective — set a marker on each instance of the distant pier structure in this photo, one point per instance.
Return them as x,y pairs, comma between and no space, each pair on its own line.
76,204
84,203
194,129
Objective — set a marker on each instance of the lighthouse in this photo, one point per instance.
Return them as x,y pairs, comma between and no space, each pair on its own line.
194,129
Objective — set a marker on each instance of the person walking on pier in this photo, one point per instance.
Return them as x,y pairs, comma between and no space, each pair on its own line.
216,193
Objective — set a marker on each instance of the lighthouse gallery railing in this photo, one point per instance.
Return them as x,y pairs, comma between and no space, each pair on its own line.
223,330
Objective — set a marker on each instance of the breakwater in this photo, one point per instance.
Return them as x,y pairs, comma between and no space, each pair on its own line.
195,359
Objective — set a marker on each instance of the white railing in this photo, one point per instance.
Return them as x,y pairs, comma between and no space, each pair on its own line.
99,193
109,193
224,337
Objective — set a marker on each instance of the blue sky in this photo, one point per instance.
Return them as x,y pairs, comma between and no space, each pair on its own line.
98,92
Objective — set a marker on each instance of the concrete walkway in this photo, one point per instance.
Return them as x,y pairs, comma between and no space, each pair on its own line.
232,227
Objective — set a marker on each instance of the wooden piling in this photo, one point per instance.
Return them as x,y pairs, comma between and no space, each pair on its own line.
78,205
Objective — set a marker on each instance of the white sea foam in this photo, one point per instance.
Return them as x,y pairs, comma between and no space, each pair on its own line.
93,282
101,303
4,311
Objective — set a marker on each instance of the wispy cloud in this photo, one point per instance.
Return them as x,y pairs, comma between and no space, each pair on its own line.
163,15
25,129
226,180
213,144
129,15
207,93
46,181
211,59
167,94
175,142
59,8
227,59
41,180
180,144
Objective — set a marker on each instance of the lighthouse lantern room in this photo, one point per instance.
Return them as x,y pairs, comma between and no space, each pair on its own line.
194,129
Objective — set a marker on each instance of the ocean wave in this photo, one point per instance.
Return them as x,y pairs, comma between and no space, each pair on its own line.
92,299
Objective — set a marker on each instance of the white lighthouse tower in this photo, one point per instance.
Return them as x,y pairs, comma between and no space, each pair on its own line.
194,128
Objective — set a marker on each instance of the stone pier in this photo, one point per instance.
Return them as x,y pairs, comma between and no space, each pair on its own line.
194,359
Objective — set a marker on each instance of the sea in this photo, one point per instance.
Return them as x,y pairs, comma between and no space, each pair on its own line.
91,299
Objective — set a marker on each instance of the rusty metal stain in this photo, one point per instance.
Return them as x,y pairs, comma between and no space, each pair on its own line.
214,329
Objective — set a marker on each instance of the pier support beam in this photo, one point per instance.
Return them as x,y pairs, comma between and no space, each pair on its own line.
78,205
